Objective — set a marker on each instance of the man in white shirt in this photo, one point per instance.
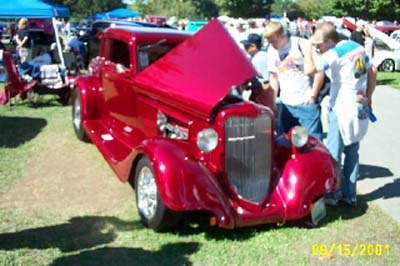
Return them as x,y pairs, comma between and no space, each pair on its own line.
353,81
297,92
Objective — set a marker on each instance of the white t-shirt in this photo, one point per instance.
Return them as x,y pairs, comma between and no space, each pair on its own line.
348,64
288,64
260,63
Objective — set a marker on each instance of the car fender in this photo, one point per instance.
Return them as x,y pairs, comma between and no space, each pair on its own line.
183,182
89,90
306,177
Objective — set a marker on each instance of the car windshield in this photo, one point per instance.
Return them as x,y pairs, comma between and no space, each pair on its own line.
148,53
380,44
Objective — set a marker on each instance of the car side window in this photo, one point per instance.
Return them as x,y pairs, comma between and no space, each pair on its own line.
119,53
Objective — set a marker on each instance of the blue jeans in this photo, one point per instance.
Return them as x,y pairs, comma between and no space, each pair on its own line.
305,115
351,160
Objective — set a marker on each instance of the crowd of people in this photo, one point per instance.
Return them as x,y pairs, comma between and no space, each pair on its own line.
298,67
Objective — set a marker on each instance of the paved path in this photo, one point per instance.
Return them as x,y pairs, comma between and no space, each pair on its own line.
380,153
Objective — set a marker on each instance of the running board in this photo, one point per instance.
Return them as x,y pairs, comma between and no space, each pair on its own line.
113,150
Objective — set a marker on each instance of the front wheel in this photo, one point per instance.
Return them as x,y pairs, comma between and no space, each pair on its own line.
153,213
77,116
387,65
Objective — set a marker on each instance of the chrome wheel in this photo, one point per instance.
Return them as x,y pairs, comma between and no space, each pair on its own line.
77,113
387,65
146,193
77,119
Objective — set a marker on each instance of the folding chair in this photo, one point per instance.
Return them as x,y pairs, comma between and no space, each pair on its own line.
15,84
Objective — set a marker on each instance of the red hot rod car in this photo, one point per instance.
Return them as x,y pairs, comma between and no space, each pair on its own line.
162,108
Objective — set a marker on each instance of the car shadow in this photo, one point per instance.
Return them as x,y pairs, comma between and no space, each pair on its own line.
15,131
76,234
344,211
169,254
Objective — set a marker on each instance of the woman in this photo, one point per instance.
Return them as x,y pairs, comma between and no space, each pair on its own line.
23,40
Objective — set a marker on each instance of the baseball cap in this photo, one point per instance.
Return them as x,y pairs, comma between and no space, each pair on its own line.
252,38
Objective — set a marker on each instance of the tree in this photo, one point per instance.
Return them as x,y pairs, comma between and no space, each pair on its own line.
244,8
177,8
82,8
205,8
368,9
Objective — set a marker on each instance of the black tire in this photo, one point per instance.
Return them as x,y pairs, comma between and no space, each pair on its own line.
77,117
387,65
152,211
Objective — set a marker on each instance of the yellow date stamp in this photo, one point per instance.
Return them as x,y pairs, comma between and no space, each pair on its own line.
351,250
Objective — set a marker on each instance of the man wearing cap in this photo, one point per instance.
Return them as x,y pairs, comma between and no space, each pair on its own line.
297,92
252,45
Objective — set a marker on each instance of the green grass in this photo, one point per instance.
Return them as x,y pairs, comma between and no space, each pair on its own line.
61,205
389,78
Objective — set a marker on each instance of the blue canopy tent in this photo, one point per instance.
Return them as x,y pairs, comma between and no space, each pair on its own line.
31,9
122,13
97,16
34,9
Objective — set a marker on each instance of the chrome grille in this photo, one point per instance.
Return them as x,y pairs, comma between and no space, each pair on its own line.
247,155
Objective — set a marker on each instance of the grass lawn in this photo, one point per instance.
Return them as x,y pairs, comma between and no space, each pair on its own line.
391,79
60,204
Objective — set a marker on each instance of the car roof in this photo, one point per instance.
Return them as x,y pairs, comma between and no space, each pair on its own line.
150,30
125,22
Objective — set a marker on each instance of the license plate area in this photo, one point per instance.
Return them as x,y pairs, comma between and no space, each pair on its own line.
318,211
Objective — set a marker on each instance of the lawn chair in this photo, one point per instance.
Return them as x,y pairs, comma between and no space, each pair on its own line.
15,84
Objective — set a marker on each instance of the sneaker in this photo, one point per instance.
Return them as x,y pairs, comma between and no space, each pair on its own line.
350,202
331,200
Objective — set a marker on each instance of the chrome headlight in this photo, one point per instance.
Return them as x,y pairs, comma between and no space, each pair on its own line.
298,136
207,140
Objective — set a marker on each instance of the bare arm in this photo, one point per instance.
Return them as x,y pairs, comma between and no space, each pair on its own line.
371,83
21,42
309,65
274,83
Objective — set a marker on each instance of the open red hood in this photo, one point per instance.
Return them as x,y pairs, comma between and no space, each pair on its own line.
199,72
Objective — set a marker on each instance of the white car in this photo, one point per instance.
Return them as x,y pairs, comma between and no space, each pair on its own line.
387,51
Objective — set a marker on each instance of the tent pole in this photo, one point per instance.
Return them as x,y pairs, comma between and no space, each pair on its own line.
59,50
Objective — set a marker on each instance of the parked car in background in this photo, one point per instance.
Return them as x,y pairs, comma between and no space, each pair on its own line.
164,108
387,50
91,41
41,31
387,29
195,25
159,20
387,54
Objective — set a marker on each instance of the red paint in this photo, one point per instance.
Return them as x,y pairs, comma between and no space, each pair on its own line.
187,84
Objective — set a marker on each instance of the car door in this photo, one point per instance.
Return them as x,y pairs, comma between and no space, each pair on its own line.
117,83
